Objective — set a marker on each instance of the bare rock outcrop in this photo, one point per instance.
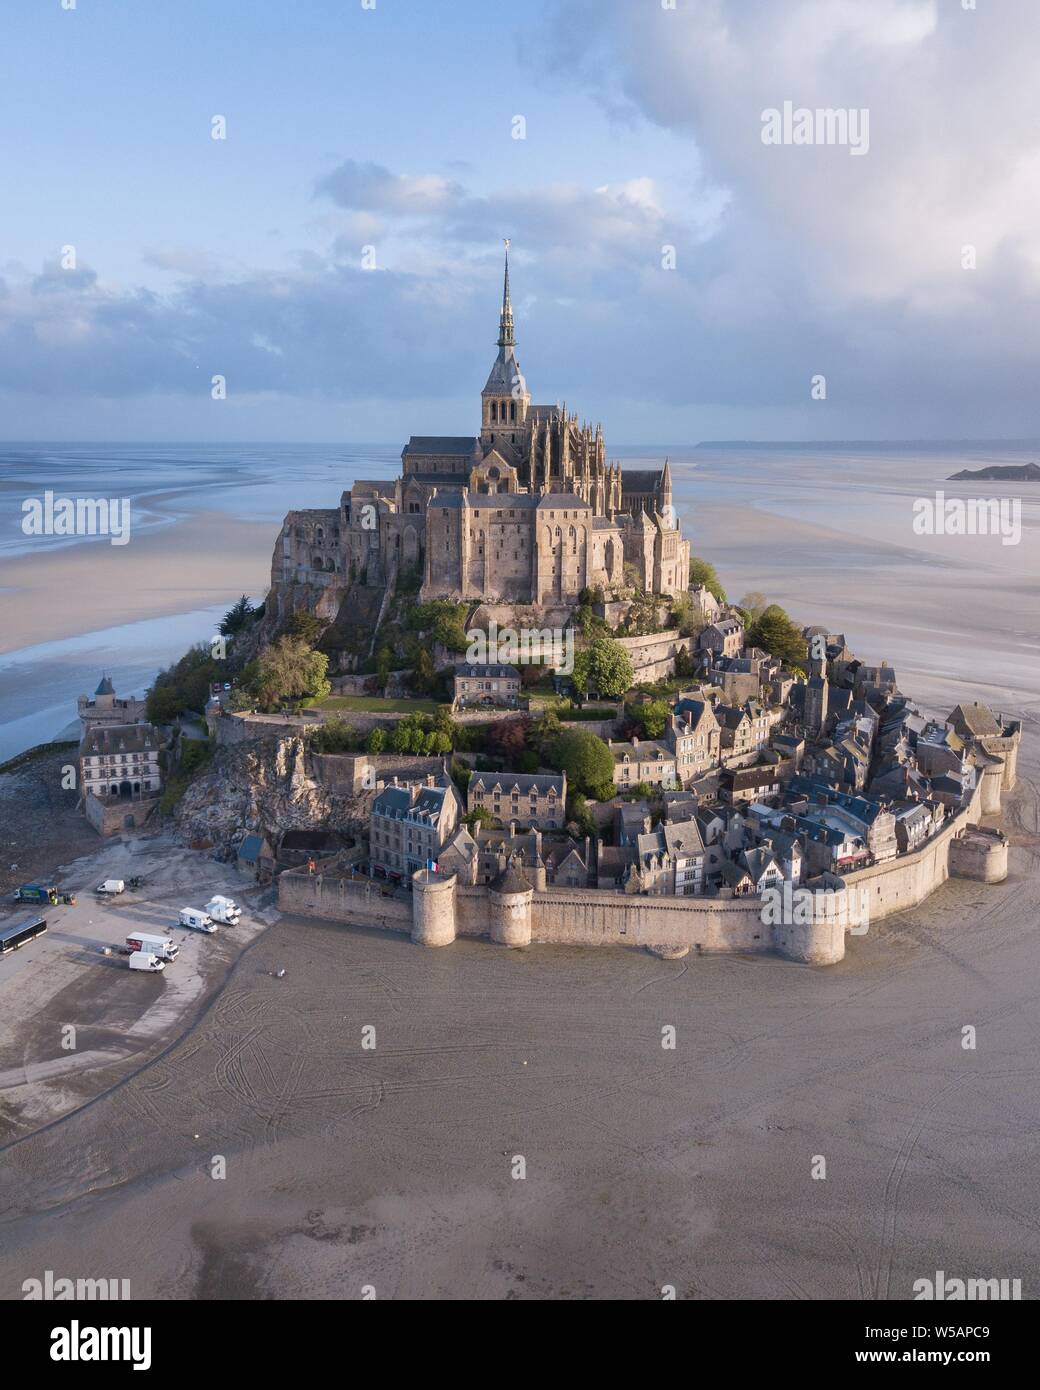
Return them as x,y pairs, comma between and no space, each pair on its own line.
263,786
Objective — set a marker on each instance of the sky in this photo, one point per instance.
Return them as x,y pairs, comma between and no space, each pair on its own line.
336,259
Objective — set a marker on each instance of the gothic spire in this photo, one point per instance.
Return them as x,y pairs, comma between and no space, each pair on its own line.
505,322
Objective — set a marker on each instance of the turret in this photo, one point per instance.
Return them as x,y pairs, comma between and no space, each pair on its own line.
509,908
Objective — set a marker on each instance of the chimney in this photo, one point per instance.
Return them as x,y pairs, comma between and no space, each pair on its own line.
635,741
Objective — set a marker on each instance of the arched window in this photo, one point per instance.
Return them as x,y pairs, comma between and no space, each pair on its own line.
494,412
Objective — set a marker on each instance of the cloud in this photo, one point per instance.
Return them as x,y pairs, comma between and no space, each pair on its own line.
371,188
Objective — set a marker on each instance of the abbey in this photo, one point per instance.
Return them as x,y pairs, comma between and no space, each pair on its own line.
528,511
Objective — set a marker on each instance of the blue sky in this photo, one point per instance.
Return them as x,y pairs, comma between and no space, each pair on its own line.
392,128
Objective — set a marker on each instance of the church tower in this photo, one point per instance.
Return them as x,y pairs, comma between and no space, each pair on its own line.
504,400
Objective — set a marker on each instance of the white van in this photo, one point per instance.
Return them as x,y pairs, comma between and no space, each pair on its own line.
195,920
111,885
221,909
146,960
160,946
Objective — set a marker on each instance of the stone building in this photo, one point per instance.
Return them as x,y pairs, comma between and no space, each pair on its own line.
107,708
120,762
529,510
643,760
725,637
486,685
694,736
537,800
409,825
669,860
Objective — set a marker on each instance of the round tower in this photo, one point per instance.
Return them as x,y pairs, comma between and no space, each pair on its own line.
509,908
433,908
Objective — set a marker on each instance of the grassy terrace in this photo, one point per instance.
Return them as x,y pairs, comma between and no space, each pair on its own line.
373,704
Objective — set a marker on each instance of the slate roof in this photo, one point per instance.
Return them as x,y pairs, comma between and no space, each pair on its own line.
443,444
106,687
541,783
641,479
566,500
511,881
974,719
488,672
119,738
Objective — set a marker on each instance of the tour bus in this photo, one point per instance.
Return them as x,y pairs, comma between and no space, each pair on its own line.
19,933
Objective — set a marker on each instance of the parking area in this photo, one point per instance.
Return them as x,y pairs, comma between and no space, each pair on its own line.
73,1019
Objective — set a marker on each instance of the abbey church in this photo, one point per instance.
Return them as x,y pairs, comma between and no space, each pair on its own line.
529,511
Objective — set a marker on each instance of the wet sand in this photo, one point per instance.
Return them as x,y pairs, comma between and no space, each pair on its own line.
63,592
644,1166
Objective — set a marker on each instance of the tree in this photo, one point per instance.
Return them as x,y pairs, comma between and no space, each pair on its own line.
604,667
585,759
544,732
163,704
653,717
334,736
684,664
702,572
290,670
401,738
384,656
581,816
480,815
376,741
775,633
424,676
238,616
509,739
306,626
437,744
754,604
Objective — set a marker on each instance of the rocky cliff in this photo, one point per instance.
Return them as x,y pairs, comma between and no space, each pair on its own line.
263,786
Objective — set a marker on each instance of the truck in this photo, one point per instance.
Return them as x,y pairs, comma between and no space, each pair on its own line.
196,920
146,960
36,893
110,885
160,946
221,909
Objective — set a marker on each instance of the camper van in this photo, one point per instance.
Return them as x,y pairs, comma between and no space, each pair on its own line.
221,909
196,920
146,960
160,946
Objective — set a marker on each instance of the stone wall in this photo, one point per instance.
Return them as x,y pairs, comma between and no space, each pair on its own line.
597,917
359,902
112,817
653,656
